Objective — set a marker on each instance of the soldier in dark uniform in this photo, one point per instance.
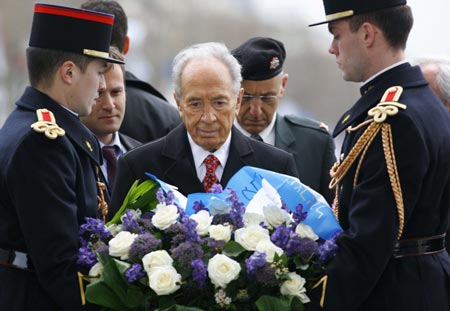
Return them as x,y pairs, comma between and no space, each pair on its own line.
394,178
49,160
264,83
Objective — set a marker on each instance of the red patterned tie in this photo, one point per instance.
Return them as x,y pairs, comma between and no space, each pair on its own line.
210,178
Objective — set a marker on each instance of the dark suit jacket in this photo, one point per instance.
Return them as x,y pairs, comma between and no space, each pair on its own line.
147,115
47,186
312,148
128,142
364,275
171,160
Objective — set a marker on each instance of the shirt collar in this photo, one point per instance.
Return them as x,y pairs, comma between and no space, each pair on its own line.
199,154
382,71
115,142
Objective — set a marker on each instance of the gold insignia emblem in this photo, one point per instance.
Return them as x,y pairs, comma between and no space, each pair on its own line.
88,144
47,124
345,119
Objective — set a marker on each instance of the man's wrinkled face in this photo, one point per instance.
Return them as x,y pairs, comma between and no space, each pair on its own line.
208,104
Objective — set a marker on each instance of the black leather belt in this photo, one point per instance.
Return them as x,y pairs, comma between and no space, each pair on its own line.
14,259
419,246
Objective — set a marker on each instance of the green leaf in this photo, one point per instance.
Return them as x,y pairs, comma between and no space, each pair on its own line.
112,290
270,303
232,249
141,195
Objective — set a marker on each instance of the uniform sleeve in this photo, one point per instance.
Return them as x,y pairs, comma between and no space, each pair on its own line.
41,180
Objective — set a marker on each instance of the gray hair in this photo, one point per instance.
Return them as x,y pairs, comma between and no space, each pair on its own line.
442,77
206,50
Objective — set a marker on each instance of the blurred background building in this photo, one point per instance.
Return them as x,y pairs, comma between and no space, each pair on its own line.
160,28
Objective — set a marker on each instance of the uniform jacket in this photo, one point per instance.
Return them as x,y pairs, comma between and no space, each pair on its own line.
312,148
148,116
47,188
364,275
171,160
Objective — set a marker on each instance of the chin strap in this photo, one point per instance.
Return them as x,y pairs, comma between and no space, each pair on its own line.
388,106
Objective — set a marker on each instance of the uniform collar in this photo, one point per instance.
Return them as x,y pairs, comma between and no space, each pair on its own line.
403,75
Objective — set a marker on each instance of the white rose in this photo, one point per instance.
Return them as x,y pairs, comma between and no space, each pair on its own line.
96,270
165,215
164,280
120,244
253,219
295,286
250,236
155,259
275,215
269,248
220,232
222,270
305,231
203,220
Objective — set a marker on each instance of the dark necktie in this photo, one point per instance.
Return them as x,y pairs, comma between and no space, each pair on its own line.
257,137
211,163
110,155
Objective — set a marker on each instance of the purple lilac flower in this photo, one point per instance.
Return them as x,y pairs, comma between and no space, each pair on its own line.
176,234
190,230
199,206
214,245
299,215
170,198
142,245
328,248
86,257
95,226
281,235
221,219
266,275
216,188
130,223
134,273
255,262
199,272
237,209
160,196
187,252
304,247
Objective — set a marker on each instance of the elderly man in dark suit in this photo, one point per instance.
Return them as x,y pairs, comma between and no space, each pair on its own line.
106,118
206,148
264,83
393,183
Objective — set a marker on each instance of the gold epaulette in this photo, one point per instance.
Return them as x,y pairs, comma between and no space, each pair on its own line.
47,124
388,106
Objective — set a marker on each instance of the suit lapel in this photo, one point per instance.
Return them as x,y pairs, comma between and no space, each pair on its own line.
240,148
181,167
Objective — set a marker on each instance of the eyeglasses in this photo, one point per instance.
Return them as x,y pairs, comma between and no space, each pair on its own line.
267,99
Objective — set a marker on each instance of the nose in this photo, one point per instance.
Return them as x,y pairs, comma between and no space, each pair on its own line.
209,115
255,107
332,49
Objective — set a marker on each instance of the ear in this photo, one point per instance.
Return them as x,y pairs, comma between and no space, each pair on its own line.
178,102
126,45
68,71
239,100
369,33
284,81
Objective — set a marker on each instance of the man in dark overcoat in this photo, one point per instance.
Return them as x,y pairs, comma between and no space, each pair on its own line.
394,177
49,160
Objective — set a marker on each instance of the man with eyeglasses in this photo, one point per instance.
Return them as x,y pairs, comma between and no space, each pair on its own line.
264,83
